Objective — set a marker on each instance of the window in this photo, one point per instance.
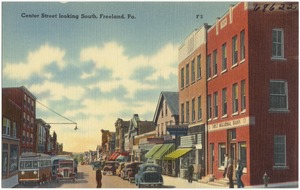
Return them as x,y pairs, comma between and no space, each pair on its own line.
209,106
235,98
208,67
224,57
234,50
193,109
182,113
278,95
215,64
162,111
187,74
224,101
199,109
232,134
199,66
280,150
166,108
23,137
215,104
14,130
243,95
6,126
242,153
193,70
182,77
277,43
187,112
222,152
242,45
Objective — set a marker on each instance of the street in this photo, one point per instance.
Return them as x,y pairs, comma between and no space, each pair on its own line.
86,178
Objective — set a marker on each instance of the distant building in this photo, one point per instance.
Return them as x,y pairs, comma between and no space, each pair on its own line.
41,136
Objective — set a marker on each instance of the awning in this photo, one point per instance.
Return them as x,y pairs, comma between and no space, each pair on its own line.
177,153
153,150
164,150
114,156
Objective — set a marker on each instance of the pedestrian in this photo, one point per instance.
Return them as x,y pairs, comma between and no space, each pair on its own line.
230,173
190,173
239,173
99,178
225,164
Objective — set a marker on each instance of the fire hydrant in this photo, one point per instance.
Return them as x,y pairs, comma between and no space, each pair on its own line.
266,179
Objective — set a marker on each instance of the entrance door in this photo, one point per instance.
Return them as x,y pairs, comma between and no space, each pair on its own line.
233,156
211,156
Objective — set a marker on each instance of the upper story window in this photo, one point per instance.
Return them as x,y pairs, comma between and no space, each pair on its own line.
182,113
278,95
6,126
187,112
243,95
234,51
277,43
193,110
280,150
199,109
216,107
193,70
208,66
224,57
166,108
235,102
199,66
224,101
182,77
14,130
209,107
187,74
215,64
242,45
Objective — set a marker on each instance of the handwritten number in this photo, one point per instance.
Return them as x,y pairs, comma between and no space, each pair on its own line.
265,6
272,7
256,8
281,7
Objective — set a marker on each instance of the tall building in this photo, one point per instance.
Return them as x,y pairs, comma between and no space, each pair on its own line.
27,102
192,85
252,91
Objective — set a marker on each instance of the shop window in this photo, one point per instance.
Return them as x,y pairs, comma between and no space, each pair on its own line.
242,153
222,152
6,126
13,160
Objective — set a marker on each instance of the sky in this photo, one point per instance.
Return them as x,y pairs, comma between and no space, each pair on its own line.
95,70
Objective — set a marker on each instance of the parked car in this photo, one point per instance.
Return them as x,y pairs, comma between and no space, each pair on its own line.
123,173
149,175
120,168
132,170
110,167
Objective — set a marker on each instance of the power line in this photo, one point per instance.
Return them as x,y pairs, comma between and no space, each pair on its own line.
72,122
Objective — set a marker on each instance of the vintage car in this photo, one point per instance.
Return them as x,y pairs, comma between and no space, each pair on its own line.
110,167
66,170
149,175
132,170
97,164
120,168
123,173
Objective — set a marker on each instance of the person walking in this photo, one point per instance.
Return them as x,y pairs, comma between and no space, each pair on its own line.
230,173
239,173
190,173
225,164
99,178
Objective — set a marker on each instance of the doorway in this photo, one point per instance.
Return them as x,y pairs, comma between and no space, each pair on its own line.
211,165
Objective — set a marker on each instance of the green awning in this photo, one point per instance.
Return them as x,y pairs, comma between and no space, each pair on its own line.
153,150
177,153
165,149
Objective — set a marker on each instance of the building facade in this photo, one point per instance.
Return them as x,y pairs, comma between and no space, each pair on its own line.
41,136
27,102
252,91
192,85
121,128
11,124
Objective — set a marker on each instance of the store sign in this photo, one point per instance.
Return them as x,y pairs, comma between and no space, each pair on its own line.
246,121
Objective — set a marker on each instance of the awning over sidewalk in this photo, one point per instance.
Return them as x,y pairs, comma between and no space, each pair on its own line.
177,153
153,150
165,149
114,156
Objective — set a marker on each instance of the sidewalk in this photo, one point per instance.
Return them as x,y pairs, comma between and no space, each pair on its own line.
176,182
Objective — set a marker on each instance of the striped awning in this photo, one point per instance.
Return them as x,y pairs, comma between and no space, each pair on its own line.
164,150
153,150
177,153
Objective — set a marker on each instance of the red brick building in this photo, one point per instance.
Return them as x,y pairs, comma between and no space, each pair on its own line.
27,102
252,91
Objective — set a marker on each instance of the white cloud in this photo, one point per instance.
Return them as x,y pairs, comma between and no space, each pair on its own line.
35,63
57,91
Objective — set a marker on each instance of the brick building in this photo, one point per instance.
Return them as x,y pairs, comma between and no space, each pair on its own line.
252,91
27,102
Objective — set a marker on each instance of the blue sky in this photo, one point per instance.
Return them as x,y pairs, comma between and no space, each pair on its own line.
94,71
